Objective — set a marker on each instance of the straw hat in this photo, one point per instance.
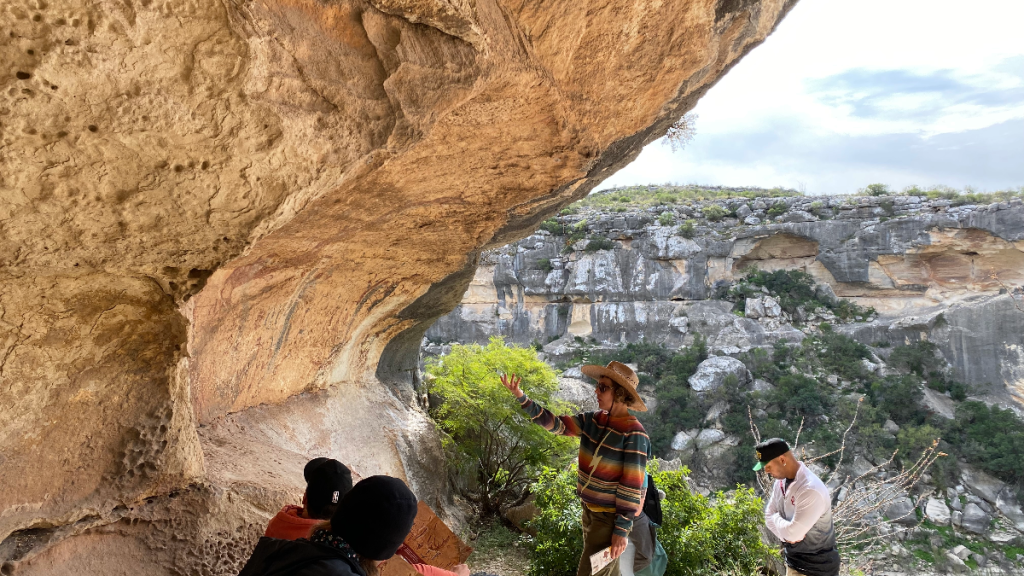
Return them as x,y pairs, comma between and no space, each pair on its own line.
623,376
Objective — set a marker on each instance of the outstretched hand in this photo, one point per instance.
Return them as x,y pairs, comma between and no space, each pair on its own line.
512,383
461,570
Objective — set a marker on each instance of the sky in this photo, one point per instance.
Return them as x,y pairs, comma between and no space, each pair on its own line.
846,93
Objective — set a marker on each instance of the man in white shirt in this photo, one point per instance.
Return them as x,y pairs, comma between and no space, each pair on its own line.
799,512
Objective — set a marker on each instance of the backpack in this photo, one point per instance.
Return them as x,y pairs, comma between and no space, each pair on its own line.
652,505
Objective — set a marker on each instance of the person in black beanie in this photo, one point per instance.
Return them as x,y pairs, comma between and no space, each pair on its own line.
371,522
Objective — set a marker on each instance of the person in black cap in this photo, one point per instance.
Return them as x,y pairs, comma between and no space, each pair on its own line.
799,512
327,482
371,522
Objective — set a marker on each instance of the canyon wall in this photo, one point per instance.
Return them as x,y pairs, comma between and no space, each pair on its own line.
226,225
932,270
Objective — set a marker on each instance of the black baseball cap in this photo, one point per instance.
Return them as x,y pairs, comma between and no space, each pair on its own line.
327,482
769,450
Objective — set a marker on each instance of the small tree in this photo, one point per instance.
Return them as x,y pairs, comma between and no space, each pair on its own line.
493,449
681,132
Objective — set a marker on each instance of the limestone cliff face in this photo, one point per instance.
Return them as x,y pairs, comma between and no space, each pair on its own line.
225,224
930,269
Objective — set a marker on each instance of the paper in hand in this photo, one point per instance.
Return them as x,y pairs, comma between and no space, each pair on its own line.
599,560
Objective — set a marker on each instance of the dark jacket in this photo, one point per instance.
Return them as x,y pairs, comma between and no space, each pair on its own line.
273,557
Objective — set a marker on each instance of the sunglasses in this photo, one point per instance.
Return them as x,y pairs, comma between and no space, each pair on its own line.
602,388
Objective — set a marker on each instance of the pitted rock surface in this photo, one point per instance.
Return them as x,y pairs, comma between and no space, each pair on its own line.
213,207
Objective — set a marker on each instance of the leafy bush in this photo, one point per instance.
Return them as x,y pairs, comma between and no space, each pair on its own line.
714,212
559,540
901,397
544,264
688,229
778,209
875,190
991,438
575,234
800,396
666,218
915,358
596,243
551,225
701,535
793,289
705,536
492,448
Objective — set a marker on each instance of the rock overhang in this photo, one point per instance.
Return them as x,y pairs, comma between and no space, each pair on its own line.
223,205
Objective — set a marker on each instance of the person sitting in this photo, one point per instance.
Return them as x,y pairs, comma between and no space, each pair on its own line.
370,523
327,482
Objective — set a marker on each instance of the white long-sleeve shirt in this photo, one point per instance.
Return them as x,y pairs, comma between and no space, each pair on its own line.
793,511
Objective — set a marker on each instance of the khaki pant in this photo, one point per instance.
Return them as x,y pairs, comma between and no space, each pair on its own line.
791,572
597,535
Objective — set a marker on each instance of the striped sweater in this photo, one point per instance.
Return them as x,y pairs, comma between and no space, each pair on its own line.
620,468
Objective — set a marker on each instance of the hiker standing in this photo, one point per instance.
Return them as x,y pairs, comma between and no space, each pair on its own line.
799,512
613,457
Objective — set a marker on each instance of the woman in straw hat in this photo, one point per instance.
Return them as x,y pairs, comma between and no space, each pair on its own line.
613,457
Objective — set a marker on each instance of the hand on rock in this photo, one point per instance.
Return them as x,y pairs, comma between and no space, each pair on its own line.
461,570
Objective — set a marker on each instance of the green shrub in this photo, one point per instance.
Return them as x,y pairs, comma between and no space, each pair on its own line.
901,397
688,229
991,438
666,219
702,536
875,190
778,209
544,264
714,212
596,243
551,225
575,234
799,396
916,357
793,289
493,449
559,540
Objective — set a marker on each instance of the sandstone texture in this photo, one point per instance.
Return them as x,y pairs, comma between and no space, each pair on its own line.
226,225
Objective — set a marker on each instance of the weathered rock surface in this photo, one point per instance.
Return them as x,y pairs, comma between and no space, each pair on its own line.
216,213
930,269
713,372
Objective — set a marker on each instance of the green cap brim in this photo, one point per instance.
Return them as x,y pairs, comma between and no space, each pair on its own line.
759,466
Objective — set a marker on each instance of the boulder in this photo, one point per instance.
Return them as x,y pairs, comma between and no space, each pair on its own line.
709,436
1007,504
901,511
683,441
982,484
975,519
890,427
962,552
712,372
937,511
753,308
798,216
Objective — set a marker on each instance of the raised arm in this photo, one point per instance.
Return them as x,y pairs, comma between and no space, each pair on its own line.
564,425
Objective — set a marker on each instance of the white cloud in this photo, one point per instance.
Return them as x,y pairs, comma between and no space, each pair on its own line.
895,79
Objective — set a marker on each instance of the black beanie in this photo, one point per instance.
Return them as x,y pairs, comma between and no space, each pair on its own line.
375,516
327,482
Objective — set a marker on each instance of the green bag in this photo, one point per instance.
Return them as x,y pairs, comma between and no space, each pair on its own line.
659,563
